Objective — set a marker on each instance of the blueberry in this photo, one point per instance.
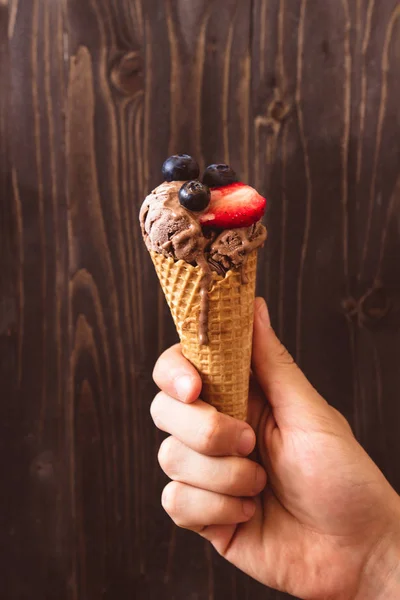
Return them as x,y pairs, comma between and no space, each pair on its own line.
194,196
219,175
180,167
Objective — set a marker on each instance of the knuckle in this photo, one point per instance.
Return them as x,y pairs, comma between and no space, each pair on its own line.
284,356
234,477
258,478
162,368
223,505
245,478
156,369
209,433
170,499
166,456
155,409
342,419
179,522
160,365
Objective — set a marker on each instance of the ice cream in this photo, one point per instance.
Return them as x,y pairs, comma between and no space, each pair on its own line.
170,229
203,238
174,231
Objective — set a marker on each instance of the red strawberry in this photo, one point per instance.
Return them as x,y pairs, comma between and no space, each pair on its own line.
232,206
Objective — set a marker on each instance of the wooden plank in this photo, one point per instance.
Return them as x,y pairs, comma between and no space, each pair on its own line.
373,309
10,453
105,178
38,512
301,135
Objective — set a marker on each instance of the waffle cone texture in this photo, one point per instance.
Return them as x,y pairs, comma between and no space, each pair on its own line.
223,364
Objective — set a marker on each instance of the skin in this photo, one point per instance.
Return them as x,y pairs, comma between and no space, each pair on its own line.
290,498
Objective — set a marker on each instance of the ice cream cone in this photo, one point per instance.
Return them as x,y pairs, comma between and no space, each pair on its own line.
224,364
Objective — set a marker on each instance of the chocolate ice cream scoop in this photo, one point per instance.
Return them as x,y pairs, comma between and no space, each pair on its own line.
232,247
218,233
170,229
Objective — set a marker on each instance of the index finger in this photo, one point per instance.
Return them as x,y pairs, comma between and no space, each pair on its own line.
176,376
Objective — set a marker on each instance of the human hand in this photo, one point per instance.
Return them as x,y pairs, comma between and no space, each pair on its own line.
325,524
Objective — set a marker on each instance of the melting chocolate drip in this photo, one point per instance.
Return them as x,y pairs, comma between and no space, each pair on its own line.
217,267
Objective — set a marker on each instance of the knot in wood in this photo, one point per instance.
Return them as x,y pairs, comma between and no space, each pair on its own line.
279,111
375,305
42,467
127,73
371,309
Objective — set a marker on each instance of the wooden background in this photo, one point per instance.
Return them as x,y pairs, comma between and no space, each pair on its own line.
302,97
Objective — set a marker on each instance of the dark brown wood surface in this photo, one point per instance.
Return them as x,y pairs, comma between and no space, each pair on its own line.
302,98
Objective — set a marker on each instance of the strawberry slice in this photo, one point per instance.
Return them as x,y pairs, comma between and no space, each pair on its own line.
232,206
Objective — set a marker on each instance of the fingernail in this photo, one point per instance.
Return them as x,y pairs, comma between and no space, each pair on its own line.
249,507
246,442
263,313
183,386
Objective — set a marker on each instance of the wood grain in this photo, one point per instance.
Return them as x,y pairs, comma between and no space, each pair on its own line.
302,99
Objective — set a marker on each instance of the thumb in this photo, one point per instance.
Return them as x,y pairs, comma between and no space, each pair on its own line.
293,399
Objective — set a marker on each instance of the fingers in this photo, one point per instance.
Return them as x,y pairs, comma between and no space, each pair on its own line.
176,376
193,508
229,475
286,387
200,427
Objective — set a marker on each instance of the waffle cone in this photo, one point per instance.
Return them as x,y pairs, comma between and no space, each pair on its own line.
224,364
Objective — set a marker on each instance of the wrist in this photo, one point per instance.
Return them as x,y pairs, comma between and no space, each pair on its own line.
381,574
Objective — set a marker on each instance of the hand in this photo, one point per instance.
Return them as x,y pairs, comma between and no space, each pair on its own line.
326,523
